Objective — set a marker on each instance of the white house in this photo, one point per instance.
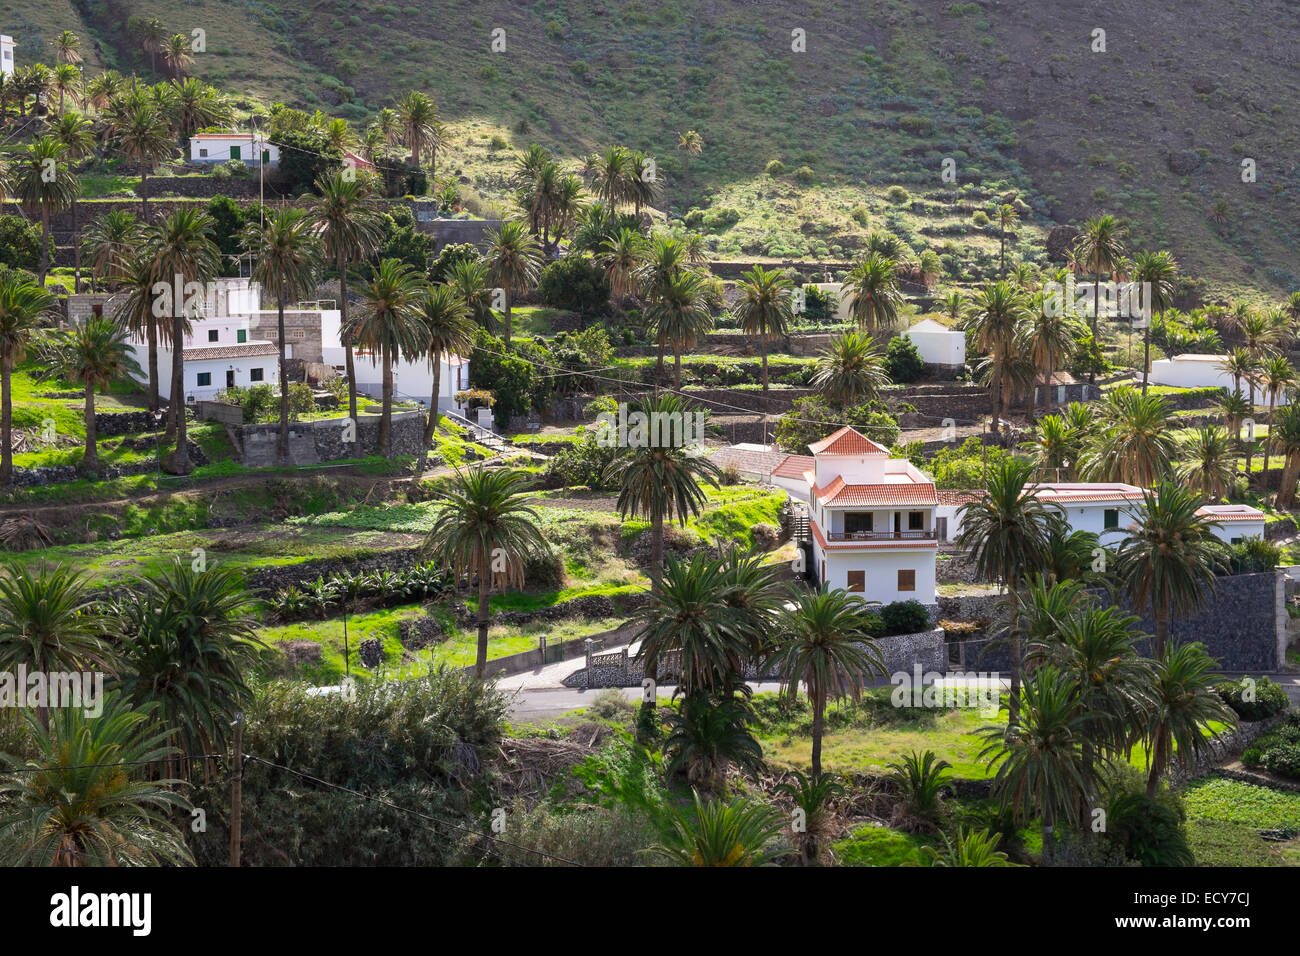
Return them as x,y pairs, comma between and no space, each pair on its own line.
938,344
842,311
7,55
870,517
223,147
1235,522
1194,370
412,380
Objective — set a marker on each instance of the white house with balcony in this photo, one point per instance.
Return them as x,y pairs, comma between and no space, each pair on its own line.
247,148
6,55
870,517
220,351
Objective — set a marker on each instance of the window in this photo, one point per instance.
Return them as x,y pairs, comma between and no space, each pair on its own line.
855,521
266,157
97,310
916,521
907,580
213,335
1236,541
1110,518
298,334
241,336
203,152
234,153
254,374
205,379
857,580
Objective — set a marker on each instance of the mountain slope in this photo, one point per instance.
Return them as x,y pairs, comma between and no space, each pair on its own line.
1153,129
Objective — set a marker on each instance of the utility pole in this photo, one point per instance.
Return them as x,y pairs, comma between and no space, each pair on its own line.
237,791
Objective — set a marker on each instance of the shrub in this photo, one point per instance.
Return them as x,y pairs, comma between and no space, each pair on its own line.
1282,759
301,399
861,215
898,195
804,174
1267,697
1149,829
980,218
905,617
903,362
609,704
766,536
811,419
584,463
498,142
1253,556
774,167
574,283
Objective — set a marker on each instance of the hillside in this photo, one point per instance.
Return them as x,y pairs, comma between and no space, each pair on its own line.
1150,130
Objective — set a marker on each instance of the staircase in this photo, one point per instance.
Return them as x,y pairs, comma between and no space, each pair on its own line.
800,525
483,436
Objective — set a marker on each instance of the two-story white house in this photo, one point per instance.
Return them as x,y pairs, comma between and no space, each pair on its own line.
870,517
6,55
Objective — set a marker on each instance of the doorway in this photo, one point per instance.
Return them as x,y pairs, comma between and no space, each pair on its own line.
230,378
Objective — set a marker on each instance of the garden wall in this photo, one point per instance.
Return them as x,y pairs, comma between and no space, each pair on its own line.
313,442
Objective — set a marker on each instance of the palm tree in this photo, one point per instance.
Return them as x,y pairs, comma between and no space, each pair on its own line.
49,623
288,254
1134,443
135,310
484,530
65,80
1168,560
154,40
350,229
718,834
1048,340
1285,434
142,136
826,642
691,144
177,54
78,137
610,174
513,260
1158,271
620,255
82,800
187,640
680,315
390,325
43,182
1055,449
104,88
1099,247
196,105
1185,707
1208,467
1005,216
659,481
95,354
448,330
1006,534
992,319
642,187
873,293
470,281
22,305
183,247
764,308
851,370
110,242
418,118
67,47
1040,761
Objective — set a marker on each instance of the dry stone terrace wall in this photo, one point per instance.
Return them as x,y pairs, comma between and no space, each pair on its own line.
314,442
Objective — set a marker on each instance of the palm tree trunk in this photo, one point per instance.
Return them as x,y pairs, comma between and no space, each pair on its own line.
1158,758
659,373
762,348
45,243
90,458
677,367
997,399
656,551
509,330
144,195
1268,442
282,442
480,659
1096,317
386,414
1287,483
76,247
1146,356
348,366
1162,631
152,334
431,425
6,423
178,462
818,729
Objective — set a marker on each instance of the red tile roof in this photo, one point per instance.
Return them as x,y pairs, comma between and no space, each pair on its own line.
794,466
847,441
248,350
1230,513
949,496
843,495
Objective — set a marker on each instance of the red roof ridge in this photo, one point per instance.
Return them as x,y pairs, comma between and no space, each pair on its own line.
847,441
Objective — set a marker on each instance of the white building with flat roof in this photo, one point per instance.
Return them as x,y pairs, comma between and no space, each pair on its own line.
222,147
937,344
7,55
870,517
1198,370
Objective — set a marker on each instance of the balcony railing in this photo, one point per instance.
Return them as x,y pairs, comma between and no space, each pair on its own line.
882,536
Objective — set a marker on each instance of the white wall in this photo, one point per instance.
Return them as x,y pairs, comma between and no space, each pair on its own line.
842,312
1240,530
218,150
1189,373
217,368
7,62
939,347
881,566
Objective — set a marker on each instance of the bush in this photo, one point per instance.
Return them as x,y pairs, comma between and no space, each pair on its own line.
804,174
766,536
905,617
861,215
775,167
574,283
1268,697
609,704
898,195
980,218
584,463
903,362
1253,556
301,399
20,243
1282,759
1149,829
811,419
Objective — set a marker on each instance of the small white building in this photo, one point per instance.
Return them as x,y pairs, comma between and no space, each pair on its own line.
1196,370
842,311
412,380
938,344
870,517
217,148
1235,523
7,55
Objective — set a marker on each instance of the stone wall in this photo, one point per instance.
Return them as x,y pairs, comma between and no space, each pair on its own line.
111,424
313,442
205,187
455,231
1222,747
